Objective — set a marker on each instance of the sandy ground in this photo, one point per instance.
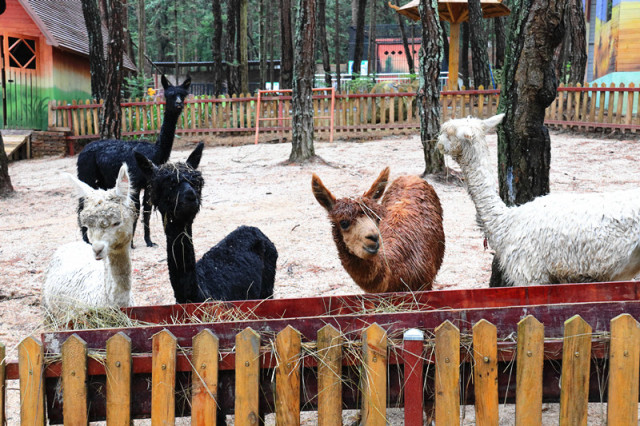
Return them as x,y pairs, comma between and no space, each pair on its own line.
249,185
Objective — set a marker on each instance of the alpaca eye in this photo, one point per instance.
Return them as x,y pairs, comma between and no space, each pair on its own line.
116,224
344,224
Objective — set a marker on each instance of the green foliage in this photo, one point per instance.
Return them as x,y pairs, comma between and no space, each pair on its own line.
136,87
361,84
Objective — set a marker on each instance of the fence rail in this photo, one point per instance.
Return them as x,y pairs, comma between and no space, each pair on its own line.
371,361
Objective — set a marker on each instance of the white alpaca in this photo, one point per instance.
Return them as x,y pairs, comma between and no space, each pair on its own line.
84,276
557,238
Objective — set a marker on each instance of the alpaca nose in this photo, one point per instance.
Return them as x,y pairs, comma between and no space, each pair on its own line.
373,237
190,195
99,249
372,248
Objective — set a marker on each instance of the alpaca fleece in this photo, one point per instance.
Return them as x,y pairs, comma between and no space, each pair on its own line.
241,266
82,276
556,238
402,235
99,161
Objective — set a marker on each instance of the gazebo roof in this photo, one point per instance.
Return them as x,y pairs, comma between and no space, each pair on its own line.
455,11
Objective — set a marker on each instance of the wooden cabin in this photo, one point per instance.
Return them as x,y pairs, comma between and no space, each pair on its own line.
44,50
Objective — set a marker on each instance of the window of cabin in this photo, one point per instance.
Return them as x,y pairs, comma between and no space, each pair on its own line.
22,53
609,9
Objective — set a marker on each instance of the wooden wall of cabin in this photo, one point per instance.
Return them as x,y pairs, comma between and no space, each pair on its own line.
71,76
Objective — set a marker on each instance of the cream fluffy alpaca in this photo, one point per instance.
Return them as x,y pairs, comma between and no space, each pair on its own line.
557,238
82,276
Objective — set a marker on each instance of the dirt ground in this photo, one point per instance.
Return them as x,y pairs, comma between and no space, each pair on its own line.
249,185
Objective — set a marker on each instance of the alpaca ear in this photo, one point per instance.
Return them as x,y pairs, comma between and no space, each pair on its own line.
145,165
82,188
165,82
123,183
492,122
322,194
187,83
379,185
194,158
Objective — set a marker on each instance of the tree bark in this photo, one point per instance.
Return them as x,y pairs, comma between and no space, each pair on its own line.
263,43
286,43
5,181
216,47
464,54
478,39
336,43
359,42
500,42
529,86
445,42
322,39
230,48
142,45
303,69
408,52
429,91
576,35
110,127
244,48
93,23
371,54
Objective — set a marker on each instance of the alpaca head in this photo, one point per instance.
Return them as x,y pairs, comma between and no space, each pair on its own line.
355,220
175,95
108,215
175,188
458,135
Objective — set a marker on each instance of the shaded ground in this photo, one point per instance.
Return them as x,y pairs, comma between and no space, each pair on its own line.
248,185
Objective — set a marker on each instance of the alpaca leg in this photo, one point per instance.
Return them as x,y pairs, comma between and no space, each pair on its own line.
83,229
136,206
146,216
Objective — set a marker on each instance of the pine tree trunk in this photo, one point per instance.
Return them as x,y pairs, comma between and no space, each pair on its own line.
230,48
528,88
286,43
371,54
322,39
93,22
478,39
244,48
445,42
303,69
110,126
216,42
5,181
576,27
408,52
142,31
336,43
429,91
263,43
359,42
464,54
500,41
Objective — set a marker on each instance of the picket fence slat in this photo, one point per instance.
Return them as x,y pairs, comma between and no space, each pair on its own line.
374,386
118,369
529,363
163,378
447,374
329,341
247,404
204,388
413,390
74,381
624,356
576,357
485,373
288,352
31,358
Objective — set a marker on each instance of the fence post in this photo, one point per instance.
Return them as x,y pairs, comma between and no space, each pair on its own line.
485,372
447,374
74,381
413,344
624,356
374,388
529,363
329,343
576,357
247,405
288,351
204,378
163,378
31,372
118,369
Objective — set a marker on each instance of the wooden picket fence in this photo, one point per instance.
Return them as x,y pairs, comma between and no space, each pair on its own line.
461,353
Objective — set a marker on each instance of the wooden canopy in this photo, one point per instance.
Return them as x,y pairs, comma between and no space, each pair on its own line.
454,11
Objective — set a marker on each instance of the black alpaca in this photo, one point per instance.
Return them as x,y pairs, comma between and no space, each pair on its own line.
100,161
241,266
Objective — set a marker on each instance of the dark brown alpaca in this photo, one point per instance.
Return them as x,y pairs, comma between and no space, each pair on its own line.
396,244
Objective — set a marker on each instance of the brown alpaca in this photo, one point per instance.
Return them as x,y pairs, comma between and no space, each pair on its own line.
396,244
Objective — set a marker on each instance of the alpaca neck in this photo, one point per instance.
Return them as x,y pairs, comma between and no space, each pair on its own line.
181,260
118,270
483,189
164,144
